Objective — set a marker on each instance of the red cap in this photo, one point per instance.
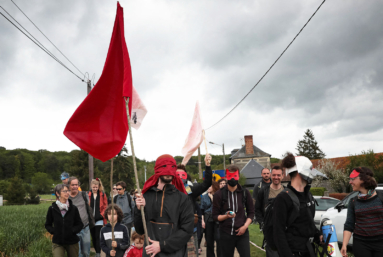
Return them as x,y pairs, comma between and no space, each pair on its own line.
354,174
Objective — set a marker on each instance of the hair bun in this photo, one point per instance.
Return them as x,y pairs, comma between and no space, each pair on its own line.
288,161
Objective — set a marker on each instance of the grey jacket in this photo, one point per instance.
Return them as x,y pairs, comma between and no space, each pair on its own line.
128,209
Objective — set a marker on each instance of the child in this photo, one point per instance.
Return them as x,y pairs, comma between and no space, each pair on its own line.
121,236
136,249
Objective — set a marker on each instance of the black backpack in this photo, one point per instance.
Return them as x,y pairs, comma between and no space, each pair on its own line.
224,198
268,219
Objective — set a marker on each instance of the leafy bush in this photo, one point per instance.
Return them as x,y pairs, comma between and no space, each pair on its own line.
16,191
319,191
3,188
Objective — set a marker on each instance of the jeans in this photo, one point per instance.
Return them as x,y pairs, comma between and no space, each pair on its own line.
367,248
84,244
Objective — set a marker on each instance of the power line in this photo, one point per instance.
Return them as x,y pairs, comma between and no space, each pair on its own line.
46,36
50,53
268,69
40,46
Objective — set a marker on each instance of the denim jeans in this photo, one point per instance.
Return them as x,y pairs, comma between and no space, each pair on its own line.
84,244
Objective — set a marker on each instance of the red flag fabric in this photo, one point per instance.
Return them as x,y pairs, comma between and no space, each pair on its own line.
99,126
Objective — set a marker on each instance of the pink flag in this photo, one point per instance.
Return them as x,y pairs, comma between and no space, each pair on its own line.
195,136
138,110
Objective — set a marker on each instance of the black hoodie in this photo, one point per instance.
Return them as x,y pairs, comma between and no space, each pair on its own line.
169,219
121,236
64,229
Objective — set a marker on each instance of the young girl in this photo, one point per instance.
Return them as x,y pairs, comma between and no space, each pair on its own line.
121,236
136,249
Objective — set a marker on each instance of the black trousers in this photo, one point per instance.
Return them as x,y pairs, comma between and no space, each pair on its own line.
363,248
212,234
95,232
230,242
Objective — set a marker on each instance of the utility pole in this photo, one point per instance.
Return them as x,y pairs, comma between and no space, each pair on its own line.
224,161
145,172
90,157
199,164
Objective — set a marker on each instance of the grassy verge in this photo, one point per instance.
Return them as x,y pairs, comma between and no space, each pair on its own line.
257,238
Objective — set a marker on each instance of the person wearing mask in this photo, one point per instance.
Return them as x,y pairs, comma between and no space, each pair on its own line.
234,210
168,211
265,182
125,202
81,201
98,201
265,195
210,226
63,221
194,190
294,229
364,216
222,182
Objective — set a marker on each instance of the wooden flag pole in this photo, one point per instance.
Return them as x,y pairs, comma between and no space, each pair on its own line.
135,171
111,196
204,139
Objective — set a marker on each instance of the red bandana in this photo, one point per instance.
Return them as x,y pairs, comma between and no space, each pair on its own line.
182,174
234,175
354,174
165,165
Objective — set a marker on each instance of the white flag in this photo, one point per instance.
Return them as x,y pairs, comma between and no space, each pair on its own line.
138,110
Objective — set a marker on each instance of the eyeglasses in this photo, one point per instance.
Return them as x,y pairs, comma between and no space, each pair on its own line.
114,188
119,189
65,191
352,179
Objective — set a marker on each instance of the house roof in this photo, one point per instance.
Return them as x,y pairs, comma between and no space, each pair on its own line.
252,170
341,162
242,153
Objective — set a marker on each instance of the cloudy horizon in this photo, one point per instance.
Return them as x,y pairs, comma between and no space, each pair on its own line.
329,80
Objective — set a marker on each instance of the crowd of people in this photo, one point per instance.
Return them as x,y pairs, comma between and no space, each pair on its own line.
178,213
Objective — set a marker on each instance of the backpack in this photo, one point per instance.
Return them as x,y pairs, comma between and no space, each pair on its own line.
224,198
268,219
129,200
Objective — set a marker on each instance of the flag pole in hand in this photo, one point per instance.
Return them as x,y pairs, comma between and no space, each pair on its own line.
204,139
111,196
135,171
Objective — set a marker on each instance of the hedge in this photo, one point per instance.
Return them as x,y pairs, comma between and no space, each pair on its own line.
318,191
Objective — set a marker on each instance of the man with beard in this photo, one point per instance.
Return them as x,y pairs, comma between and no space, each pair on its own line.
234,209
264,197
265,182
168,211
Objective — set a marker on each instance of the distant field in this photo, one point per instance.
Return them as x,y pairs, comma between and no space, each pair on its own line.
47,197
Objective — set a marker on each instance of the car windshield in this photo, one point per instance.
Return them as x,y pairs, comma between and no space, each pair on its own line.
325,203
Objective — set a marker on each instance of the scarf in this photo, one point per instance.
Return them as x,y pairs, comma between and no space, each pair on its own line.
366,196
165,166
63,207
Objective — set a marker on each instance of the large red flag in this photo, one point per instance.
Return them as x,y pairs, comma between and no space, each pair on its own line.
99,126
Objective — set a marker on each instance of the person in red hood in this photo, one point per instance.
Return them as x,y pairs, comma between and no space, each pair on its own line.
168,211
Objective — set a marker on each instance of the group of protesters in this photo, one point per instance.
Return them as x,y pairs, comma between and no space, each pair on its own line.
176,209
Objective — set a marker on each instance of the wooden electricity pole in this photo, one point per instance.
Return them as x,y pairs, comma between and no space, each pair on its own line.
90,157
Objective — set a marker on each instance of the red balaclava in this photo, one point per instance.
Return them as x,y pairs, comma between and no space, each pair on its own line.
165,165
182,174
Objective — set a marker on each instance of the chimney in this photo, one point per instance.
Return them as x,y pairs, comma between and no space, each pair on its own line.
249,144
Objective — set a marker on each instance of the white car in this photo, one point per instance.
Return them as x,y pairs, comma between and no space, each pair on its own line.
324,203
338,215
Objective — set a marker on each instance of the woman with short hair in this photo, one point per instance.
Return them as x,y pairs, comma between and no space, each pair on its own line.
63,221
364,216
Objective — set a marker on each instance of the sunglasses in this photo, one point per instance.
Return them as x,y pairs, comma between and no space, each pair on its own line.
352,179
119,189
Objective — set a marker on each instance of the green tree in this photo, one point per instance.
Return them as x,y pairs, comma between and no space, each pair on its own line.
338,178
309,147
27,166
42,183
4,187
16,191
367,159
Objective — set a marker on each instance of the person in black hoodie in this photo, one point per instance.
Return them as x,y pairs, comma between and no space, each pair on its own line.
195,189
168,211
294,230
63,221
233,208
121,236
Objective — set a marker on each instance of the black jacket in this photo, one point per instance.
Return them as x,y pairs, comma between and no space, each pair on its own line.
295,237
259,186
234,203
261,203
121,236
63,229
169,220
199,188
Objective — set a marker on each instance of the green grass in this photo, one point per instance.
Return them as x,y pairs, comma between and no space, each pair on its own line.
47,197
257,238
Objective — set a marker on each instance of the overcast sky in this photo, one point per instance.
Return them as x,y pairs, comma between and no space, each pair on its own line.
330,80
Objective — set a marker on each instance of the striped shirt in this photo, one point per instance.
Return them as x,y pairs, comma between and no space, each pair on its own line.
365,217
